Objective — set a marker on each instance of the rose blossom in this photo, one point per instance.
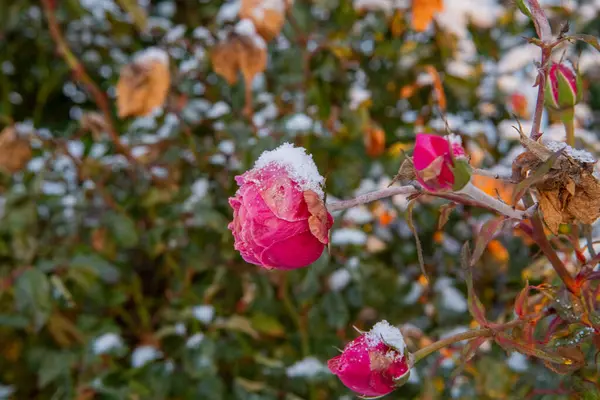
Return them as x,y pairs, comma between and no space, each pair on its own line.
375,363
279,218
433,162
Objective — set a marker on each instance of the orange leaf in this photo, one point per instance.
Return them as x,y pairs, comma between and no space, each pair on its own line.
423,12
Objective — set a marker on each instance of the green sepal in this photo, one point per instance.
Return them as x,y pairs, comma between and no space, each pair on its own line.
462,174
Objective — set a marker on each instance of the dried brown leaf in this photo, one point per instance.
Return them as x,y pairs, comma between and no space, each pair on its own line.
423,12
374,139
225,59
15,151
142,87
267,19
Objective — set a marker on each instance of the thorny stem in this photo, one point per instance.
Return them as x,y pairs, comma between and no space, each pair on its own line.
542,26
468,335
81,74
480,196
539,105
539,236
372,196
490,174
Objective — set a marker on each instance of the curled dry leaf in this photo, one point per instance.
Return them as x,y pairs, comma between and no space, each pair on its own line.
267,15
225,60
15,151
318,222
423,12
143,84
244,51
567,192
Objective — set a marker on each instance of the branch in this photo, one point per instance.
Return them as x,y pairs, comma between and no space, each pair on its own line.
372,196
468,335
80,73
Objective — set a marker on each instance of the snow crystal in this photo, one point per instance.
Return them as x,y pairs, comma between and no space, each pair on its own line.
175,33
246,28
204,313
387,6
350,236
218,110
228,11
456,15
299,122
358,95
6,391
517,362
150,55
180,329
194,340
518,57
388,334
452,299
299,165
307,368
106,342
358,215
227,147
576,154
142,355
339,279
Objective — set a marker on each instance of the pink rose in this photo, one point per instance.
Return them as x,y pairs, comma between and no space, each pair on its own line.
375,363
563,87
432,160
279,218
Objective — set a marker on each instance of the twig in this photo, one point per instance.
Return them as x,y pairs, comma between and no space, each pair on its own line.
372,196
80,73
490,174
468,335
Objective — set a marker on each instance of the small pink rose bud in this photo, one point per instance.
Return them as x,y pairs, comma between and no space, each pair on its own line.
563,86
279,217
434,164
375,363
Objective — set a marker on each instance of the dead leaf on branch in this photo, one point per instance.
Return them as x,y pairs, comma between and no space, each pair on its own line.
267,15
143,84
15,151
567,191
246,53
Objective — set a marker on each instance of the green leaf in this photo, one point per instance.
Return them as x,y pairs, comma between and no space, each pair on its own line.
123,229
267,324
523,7
96,264
33,296
589,39
13,321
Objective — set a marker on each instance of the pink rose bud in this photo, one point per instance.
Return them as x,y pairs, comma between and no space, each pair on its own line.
435,166
279,217
563,86
375,363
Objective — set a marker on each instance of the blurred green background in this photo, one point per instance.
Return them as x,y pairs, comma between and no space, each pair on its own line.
118,277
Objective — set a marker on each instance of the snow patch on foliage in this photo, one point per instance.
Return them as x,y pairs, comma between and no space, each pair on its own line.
309,367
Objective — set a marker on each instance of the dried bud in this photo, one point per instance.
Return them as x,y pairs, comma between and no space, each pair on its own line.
563,86
279,217
144,83
435,166
375,363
